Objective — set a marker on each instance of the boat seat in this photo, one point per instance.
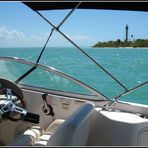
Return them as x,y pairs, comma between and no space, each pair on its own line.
54,125
29,137
75,130
42,141
36,133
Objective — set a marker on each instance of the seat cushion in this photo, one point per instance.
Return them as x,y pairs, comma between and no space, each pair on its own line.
75,129
29,137
54,125
43,140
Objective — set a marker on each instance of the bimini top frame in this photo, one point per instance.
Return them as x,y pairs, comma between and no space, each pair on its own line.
58,5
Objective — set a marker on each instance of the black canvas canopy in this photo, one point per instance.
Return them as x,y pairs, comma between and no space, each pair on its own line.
110,5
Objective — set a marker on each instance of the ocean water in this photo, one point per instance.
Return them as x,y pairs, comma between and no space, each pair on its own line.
128,65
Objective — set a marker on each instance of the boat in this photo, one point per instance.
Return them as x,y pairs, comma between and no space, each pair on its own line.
34,115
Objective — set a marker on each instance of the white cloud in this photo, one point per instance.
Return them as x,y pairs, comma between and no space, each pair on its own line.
8,34
35,38
13,37
78,37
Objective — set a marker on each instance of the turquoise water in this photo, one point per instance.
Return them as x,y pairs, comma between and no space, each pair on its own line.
128,65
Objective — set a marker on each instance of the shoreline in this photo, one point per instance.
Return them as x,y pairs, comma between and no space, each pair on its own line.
120,47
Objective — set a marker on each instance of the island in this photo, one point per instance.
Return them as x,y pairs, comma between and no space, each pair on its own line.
118,43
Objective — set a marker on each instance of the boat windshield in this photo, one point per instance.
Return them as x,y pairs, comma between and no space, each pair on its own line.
76,51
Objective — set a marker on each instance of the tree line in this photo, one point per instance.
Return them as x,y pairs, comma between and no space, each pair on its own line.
119,43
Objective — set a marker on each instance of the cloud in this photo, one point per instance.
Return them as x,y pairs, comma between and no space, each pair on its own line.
35,38
78,37
57,37
8,34
13,37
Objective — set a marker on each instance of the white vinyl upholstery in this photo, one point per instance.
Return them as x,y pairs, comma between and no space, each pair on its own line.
54,125
43,140
36,135
29,137
75,130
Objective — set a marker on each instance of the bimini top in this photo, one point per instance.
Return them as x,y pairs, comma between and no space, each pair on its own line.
110,5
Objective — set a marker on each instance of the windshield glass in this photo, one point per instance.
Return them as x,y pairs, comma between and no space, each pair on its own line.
119,47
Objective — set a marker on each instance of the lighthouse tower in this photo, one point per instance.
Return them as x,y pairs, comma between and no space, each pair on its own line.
126,29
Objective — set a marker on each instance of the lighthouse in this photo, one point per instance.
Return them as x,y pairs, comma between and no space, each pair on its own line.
126,29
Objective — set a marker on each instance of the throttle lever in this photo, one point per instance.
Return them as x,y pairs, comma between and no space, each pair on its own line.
31,117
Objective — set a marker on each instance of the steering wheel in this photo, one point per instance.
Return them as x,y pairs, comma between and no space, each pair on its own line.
12,104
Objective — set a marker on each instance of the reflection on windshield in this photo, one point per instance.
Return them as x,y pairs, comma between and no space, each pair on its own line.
12,70
40,78
48,80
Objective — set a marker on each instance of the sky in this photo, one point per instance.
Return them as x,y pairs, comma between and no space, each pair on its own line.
22,27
